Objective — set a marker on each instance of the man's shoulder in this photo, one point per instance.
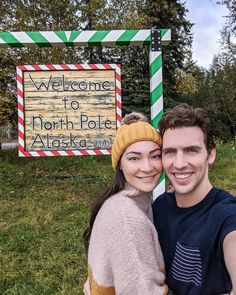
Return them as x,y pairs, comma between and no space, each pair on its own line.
223,196
224,204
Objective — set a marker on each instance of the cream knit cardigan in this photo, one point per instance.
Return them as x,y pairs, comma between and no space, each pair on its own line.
124,256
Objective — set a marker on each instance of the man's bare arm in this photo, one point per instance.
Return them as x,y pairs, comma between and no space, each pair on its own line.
229,248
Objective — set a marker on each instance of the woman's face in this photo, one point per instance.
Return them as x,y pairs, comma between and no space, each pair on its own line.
141,165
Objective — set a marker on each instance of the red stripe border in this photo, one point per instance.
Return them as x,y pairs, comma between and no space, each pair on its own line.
58,67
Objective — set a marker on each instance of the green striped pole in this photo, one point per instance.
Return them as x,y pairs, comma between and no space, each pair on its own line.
80,38
156,96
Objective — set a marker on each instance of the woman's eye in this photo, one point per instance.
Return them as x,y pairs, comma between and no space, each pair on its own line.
133,159
156,156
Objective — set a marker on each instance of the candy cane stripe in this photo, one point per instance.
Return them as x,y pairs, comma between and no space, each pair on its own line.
156,79
55,40
139,38
112,37
51,67
79,38
10,39
25,39
126,37
97,37
83,38
157,107
39,39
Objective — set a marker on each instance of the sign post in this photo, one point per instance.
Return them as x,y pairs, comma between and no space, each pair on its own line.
155,39
156,91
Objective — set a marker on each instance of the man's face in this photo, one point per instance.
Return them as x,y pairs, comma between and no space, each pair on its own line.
185,160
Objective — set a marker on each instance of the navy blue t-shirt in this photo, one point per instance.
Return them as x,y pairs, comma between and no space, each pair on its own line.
192,242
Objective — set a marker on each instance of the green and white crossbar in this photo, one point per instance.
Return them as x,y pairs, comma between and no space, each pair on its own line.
105,39
80,38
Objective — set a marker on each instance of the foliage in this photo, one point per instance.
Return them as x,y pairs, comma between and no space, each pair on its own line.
223,101
29,15
183,81
186,83
7,93
214,89
228,34
112,14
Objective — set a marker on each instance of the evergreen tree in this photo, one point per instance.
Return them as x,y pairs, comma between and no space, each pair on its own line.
8,103
228,34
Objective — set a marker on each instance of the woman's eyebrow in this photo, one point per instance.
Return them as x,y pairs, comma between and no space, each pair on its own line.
155,150
139,153
136,153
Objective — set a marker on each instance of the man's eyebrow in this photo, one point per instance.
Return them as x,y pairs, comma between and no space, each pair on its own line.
169,149
195,147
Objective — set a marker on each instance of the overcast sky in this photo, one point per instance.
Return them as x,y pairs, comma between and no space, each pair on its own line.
209,20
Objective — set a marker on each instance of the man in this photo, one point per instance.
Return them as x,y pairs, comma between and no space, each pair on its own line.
197,223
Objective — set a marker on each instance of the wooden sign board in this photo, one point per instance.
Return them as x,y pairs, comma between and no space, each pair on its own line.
66,110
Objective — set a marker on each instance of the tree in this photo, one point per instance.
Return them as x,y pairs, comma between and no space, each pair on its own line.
7,94
31,15
223,101
139,14
106,14
228,34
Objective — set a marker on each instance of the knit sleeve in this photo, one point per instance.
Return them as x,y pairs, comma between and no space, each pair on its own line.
136,258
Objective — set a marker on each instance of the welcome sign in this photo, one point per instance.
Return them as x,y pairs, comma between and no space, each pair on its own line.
68,109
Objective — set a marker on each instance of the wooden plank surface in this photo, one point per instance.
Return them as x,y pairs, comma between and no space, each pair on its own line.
69,109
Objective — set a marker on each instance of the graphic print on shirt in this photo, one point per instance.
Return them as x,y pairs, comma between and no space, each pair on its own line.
187,265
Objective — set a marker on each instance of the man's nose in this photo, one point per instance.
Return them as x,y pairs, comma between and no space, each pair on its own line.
180,161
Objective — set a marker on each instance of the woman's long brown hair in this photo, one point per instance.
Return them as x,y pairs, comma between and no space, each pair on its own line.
116,186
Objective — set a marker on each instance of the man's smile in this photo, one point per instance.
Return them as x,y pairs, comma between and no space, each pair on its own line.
183,175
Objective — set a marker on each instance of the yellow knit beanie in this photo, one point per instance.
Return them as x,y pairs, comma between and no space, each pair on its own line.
134,128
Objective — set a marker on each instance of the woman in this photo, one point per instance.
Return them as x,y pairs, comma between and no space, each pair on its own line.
124,255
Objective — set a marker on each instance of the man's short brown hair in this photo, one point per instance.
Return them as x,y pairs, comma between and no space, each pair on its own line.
184,115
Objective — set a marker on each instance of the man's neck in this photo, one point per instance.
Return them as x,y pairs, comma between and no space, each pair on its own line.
193,198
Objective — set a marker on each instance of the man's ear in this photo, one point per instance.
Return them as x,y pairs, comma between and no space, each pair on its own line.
212,156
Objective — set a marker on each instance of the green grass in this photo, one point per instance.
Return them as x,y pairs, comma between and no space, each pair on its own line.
223,171
44,209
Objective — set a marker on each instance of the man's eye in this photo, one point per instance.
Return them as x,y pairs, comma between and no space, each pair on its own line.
193,151
168,152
